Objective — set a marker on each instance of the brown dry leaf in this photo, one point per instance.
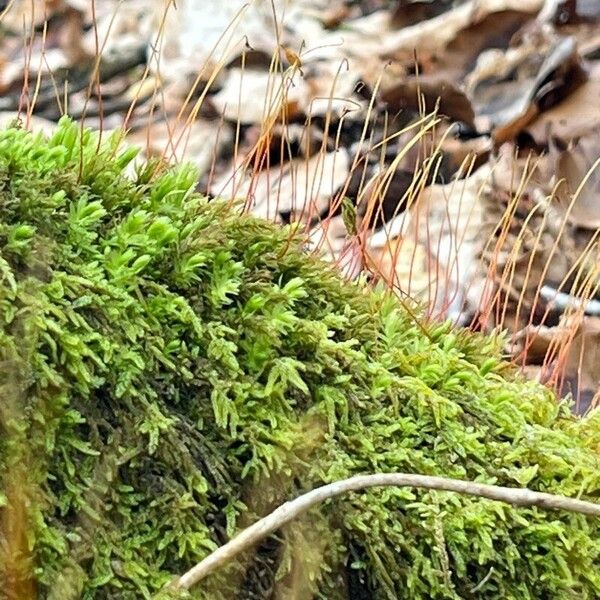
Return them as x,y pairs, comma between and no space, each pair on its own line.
404,264
528,240
440,31
27,14
299,189
446,222
418,157
330,240
123,29
534,341
578,167
195,37
375,35
329,236
459,152
252,96
509,89
568,352
428,92
143,89
492,31
10,72
574,116
198,142
491,241
332,90
411,12
533,373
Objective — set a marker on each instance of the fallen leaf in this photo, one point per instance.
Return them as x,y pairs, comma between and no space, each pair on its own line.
574,116
428,93
251,96
198,142
299,189
579,167
568,353
411,12
526,77
203,37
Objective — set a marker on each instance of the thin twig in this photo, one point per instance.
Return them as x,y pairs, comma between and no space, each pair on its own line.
294,508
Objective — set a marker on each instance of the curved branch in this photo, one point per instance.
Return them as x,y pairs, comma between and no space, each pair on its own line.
294,508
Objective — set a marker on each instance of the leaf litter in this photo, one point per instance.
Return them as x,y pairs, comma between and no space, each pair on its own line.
446,149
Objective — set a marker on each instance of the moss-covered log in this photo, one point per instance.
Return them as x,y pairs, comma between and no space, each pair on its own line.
172,369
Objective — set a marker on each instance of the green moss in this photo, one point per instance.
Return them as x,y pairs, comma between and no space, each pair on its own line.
172,370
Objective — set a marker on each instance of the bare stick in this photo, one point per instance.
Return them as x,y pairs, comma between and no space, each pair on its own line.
294,508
